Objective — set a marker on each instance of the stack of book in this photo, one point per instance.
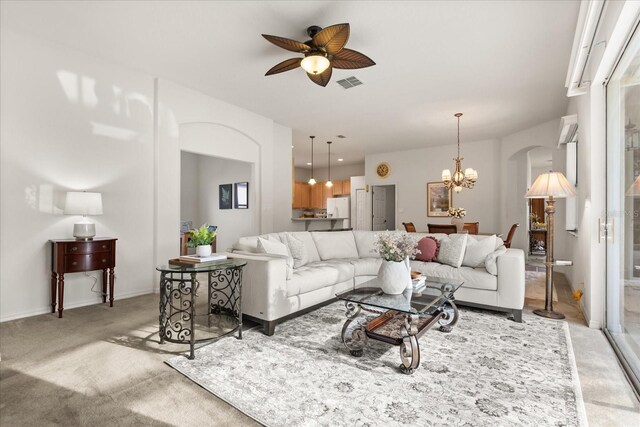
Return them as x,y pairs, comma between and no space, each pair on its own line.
196,261
419,283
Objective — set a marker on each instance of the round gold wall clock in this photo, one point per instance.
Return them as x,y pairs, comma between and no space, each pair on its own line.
383,169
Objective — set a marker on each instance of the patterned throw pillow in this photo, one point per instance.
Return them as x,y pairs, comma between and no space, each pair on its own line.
452,250
429,248
297,250
478,250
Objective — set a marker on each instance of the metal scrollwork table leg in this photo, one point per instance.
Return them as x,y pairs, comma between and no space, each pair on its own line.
449,317
355,339
409,348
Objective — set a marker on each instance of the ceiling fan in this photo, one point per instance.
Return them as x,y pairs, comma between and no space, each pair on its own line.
324,52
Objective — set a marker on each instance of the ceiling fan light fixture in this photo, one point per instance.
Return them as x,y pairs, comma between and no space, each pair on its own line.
315,63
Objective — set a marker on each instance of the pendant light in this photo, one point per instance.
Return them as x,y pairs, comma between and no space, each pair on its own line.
329,183
459,179
312,181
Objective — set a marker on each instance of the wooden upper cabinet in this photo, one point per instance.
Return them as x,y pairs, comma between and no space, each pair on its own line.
346,187
316,195
301,195
337,187
326,193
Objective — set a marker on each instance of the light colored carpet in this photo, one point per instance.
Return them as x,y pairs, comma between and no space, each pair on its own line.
488,371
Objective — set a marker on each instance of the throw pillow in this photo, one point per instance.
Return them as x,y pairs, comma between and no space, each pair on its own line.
297,250
429,248
491,263
278,249
452,250
478,250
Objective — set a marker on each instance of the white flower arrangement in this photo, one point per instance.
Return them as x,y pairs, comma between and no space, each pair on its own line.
457,212
395,246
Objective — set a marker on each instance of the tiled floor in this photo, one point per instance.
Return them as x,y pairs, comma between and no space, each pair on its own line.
608,396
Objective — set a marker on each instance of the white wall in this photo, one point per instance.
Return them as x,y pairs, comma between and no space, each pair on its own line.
585,250
337,172
232,223
412,169
190,188
191,121
515,180
71,121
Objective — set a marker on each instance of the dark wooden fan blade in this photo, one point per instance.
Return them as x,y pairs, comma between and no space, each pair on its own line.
288,44
323,78
349,59
287,65
332,39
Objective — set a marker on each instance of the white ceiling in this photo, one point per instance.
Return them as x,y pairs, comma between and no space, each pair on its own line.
501,63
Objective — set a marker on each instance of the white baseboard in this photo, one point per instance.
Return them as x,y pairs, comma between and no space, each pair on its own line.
97,300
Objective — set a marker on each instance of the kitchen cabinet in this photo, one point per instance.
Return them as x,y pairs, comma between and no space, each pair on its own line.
316,195
301,195
342,187
326,193
337,187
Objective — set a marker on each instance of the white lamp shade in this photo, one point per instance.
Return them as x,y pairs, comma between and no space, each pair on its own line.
446,175
83,203
315,64
551,184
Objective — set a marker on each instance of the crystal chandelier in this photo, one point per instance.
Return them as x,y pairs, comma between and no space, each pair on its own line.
459,179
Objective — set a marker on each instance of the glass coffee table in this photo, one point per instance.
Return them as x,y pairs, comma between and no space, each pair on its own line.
401,319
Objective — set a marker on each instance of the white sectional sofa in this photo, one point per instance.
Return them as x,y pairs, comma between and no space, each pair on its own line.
272,291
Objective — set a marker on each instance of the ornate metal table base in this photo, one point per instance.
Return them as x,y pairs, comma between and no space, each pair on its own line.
355,334
178,292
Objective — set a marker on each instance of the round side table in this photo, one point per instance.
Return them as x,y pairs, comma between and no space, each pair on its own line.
179,289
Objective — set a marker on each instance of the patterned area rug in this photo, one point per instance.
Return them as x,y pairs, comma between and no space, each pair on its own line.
488,371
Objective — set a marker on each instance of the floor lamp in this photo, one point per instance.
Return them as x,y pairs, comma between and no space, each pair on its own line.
550,186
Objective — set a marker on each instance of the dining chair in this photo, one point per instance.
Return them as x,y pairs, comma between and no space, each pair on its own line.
472,227
409,227
512,231
442,228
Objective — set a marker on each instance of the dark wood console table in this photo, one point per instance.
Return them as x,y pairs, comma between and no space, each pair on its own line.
75,256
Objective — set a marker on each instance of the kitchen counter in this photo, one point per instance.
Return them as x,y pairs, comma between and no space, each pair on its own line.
308,221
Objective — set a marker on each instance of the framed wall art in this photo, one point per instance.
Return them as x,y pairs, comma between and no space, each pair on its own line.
438,199
241,195
225,196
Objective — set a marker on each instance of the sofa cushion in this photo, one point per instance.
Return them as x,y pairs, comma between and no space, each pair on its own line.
366,266
429,248
250,243
478,250
297,250
473,278
309,244
317,275
365,241
452,249
335,244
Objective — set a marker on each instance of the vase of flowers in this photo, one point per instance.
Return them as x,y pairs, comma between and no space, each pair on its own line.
395,248
201,239
456,215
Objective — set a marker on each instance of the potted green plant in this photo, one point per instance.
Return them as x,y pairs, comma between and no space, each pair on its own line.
201,239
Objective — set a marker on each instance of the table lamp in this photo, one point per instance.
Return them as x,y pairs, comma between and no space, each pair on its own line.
83,203
550,186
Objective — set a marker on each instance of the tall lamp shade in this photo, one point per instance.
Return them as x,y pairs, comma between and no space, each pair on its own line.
550,186
83,203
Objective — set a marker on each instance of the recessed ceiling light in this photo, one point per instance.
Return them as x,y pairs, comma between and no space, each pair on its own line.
340,160
308,163
292,146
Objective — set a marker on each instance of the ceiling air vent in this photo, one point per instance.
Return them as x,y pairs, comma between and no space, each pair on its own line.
349,82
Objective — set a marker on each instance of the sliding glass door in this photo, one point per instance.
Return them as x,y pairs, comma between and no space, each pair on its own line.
623,208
